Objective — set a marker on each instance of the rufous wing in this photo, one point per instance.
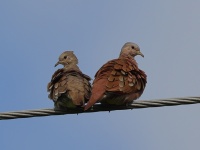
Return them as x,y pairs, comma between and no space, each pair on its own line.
118,76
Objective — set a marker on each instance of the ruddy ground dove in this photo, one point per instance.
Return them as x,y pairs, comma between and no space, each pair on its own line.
119,81
69,87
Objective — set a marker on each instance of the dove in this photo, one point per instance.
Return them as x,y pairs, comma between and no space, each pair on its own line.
119,81
69,88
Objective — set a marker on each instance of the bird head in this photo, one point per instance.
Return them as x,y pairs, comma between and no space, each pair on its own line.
130,49
67,58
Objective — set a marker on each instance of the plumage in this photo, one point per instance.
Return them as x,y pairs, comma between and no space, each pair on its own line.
119,81
69,87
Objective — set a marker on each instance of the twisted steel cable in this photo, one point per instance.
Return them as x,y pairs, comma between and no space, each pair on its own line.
99,108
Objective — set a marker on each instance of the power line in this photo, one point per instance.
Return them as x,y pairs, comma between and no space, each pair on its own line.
100,108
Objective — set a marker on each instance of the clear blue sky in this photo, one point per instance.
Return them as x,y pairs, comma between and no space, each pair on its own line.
34,33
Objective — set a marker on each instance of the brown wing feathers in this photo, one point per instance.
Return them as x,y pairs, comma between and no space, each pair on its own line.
119,81
69,87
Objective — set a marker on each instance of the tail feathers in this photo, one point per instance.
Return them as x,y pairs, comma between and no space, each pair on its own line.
89,104
98,91
96,96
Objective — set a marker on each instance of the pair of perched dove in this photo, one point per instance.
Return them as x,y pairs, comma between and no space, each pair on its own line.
117,82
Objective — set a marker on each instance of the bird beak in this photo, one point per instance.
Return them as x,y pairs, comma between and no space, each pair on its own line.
139,53
57,63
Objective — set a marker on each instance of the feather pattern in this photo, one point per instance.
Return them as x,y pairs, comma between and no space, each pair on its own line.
69,87
119,81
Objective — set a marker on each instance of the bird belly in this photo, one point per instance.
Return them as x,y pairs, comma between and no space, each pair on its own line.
113,99
64,102
118,99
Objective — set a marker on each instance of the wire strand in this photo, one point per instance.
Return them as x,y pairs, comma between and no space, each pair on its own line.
100,108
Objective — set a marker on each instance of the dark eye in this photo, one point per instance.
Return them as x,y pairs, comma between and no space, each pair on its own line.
65,57
132,47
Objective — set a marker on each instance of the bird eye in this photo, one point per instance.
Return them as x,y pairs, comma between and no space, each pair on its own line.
65,57
132,47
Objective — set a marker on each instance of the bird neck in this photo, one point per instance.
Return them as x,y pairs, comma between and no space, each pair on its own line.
71,67
125,56
129,58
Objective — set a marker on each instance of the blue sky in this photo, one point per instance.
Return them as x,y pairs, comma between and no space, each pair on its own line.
34,33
